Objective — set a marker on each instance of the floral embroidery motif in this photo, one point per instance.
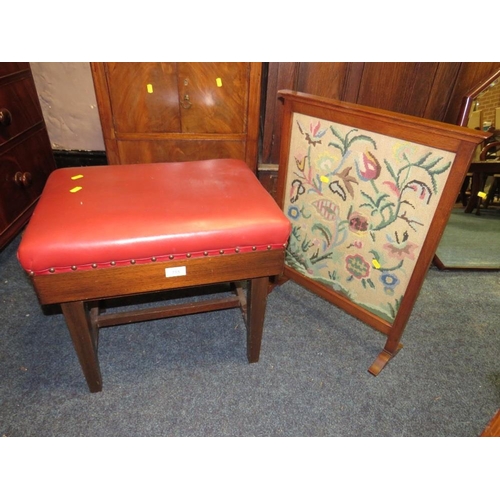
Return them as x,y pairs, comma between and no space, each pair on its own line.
371,168
358,223
390,281
357,266
360,204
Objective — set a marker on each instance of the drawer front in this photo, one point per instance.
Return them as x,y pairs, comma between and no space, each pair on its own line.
179,150
23,172
19,108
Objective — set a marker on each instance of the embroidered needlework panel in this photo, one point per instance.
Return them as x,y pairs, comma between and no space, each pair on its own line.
360,204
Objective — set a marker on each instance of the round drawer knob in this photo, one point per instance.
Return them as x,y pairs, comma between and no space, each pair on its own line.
5,117
22,179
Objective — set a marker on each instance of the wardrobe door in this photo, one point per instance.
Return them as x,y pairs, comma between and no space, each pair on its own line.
213,97
184,111
143,97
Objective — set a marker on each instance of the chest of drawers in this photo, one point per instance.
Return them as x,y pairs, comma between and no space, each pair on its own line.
26,157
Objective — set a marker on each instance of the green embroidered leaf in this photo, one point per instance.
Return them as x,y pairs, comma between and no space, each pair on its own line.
433,163
352,131
392,310
395,268
306,244
337,134
422,160
370,199
390,170
317,259
296,233
341,147
333,275
442,169
293,259
362,138
324,231
349,212
388,206
332,144
434,184
380,198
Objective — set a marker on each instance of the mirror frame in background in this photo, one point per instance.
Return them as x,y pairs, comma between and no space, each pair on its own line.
463,119
472,96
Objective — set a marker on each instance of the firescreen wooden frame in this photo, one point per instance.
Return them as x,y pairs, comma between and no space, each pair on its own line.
328,150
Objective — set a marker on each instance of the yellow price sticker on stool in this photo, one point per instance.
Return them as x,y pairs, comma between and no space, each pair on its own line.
75,177
376,264
75,189
149,87
218,81
482,195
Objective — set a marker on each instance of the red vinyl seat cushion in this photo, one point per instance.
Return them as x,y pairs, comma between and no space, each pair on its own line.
95,217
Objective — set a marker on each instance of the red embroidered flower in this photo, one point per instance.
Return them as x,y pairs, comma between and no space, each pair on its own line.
371,167
406,249
358,223
357,266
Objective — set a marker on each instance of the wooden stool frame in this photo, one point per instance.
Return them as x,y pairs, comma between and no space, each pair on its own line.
79,294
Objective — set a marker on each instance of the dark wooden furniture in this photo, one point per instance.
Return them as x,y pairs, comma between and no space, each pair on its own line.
432,90
480,170
368,193
162,112
123,230
26,157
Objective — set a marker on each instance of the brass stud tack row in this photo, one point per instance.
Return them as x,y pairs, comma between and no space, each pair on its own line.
154,259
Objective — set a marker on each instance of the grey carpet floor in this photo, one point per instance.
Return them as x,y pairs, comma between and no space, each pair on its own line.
189,376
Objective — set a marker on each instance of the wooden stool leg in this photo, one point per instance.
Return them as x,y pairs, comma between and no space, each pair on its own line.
256,310
84,337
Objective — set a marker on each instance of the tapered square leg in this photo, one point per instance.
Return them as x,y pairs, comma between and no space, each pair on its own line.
256,309
84,337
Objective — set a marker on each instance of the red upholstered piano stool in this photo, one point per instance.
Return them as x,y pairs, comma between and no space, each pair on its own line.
118,230
96,217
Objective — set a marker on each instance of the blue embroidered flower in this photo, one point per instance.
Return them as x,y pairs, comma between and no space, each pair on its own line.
294,212
390,282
